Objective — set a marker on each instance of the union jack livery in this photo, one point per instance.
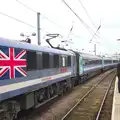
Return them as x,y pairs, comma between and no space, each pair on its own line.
12,63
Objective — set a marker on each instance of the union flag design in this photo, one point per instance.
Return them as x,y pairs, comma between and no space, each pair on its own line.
12,63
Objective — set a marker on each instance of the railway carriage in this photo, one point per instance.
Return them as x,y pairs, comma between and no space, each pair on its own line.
87,66
90,65
115,61
109,63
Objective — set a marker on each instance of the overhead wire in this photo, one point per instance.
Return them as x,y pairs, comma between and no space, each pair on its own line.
87,27
26,6
87,13
76,35
77,16
43,16
17,20
37,12
95,33
21,21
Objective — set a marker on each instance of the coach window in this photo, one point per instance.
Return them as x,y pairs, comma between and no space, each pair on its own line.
109,61
85,63
46,60
100,62
56,61
31,60
90,62
69,61
106,61
114,61
96,61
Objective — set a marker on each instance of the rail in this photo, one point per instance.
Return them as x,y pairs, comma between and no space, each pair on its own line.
104,98
86,94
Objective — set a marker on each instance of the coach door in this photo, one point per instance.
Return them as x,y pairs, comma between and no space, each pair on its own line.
81,69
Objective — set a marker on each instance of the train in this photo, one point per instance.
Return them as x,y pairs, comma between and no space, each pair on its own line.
32,75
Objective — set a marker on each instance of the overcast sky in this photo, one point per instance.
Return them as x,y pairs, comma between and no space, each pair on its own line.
106,11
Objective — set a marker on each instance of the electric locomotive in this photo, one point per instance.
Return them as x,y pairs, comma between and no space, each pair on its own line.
31,75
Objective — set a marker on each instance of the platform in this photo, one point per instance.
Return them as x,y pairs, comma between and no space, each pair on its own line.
116,103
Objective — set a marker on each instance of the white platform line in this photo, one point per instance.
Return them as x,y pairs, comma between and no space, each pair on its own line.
116,103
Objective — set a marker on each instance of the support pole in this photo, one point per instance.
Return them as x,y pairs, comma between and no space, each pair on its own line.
95,48
38,28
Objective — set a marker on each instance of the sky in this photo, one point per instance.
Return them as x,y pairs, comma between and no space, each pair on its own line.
60,20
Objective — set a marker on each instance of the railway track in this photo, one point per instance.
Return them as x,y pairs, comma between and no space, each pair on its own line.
106,110
90,106
57,108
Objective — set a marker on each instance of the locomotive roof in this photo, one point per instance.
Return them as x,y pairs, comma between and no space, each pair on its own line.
28,46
